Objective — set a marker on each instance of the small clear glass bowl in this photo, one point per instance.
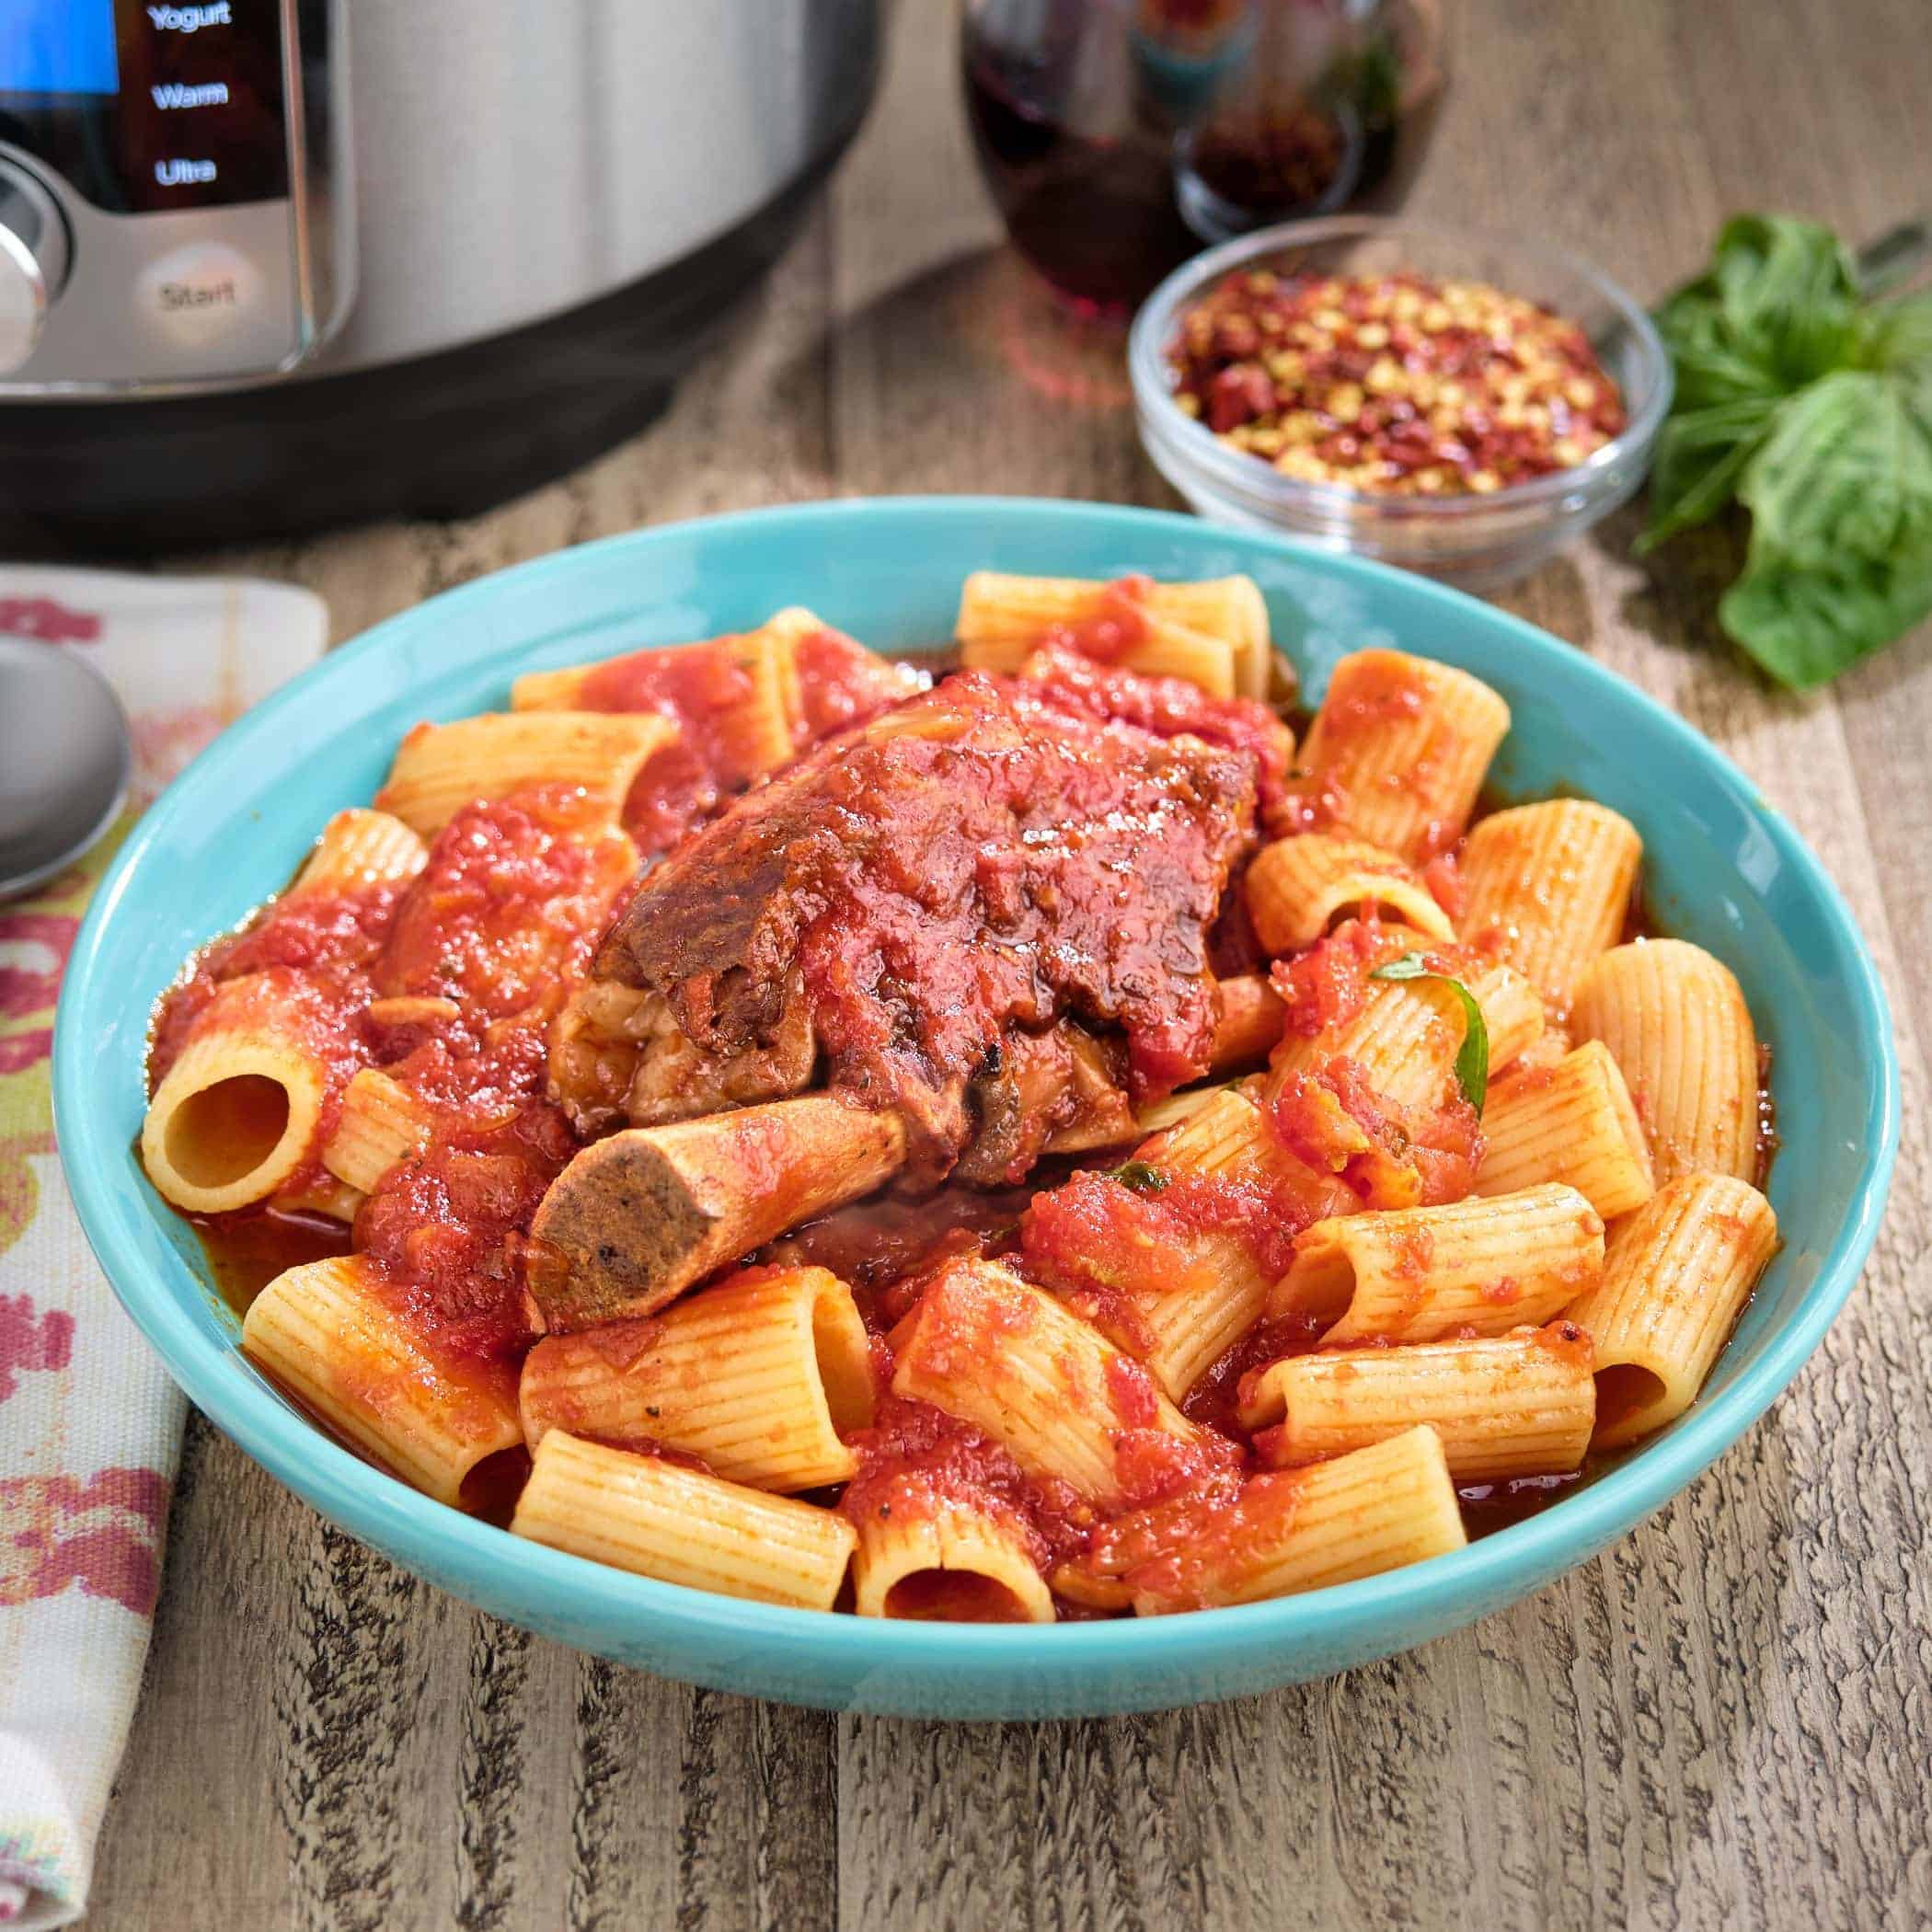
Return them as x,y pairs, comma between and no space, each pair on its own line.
1474,541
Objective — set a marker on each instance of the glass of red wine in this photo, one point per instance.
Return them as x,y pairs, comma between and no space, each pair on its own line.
1119,137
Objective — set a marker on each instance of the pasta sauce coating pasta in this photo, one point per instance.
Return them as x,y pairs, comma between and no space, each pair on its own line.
1269,1337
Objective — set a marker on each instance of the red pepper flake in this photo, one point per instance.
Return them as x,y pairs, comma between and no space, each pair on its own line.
1399,385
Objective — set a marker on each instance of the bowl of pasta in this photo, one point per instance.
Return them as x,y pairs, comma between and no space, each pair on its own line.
974,1108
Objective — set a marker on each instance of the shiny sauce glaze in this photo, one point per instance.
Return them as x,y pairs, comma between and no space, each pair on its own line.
448,984
708,691
988,867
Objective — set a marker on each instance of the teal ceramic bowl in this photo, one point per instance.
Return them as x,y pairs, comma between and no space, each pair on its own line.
1721,868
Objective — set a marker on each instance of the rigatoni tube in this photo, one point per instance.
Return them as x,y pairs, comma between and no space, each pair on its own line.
1521,1404
1051,1389
234,1119
333,1333
656,1519
1218,1286
1405,1034
1573,1123
1676,1023
1676,1276
1297,885
439,768
1373,1509
1414,1274
1546,887
1400,746
742,690
756,1378
381,1124
359,849
938,1560
1003,617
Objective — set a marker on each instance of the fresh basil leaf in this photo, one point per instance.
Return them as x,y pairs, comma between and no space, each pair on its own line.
1844,475
1712,366
1699,459
1138,1175
1777,309
1472,1059
1814,410
1805,623
1789,289
1897,337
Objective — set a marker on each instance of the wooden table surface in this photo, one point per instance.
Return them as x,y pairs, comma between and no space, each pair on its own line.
1723,1722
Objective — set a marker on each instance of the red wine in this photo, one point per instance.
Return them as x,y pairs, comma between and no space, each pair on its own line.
1106,198
1096,216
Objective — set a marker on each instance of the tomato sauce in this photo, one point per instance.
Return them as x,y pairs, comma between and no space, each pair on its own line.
1069,673
922,947
1327,985
1117,625
447,1229
514,898
841,684
708,689
1334,1121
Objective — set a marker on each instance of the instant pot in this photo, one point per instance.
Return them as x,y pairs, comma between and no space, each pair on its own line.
271,264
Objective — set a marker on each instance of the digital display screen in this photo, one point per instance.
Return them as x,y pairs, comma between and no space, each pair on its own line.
58,47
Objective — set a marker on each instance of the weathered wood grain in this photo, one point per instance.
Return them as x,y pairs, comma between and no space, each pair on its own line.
1720,1724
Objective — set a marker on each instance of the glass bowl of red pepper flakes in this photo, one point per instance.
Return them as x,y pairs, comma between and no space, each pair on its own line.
1460,404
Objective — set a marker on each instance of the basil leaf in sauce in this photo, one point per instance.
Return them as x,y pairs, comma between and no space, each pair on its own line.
1472,1058
1139,1175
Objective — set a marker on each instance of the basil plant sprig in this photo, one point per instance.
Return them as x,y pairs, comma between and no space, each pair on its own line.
1811,404
1472,1058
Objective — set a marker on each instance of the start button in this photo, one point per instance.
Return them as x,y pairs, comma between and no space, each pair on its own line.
200,293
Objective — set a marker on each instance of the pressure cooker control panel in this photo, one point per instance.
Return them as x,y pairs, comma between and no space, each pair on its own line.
172,214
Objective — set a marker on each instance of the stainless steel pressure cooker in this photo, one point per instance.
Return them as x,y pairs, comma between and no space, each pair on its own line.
268,264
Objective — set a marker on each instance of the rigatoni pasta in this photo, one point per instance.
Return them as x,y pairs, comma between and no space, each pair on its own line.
1477,1266
1573,1123
1002,618
1546,889
1406,1033
1215,1289
1397,752
1373,1510
987,1147
234,1119
743,690
1520,1404
381,1122
760,1378
360,849
1676,1274
441,768
679,1526
1676,1024
985,1346
1297,885
334,1333
946,1561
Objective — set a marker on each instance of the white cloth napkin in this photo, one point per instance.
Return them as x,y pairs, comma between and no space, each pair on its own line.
90,1425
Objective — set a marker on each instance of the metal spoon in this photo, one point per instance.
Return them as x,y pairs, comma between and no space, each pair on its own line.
65,760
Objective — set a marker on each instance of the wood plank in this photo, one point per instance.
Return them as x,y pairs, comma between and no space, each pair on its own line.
1716,1724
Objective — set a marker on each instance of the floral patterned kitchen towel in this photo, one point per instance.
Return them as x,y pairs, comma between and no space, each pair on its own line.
89,1423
